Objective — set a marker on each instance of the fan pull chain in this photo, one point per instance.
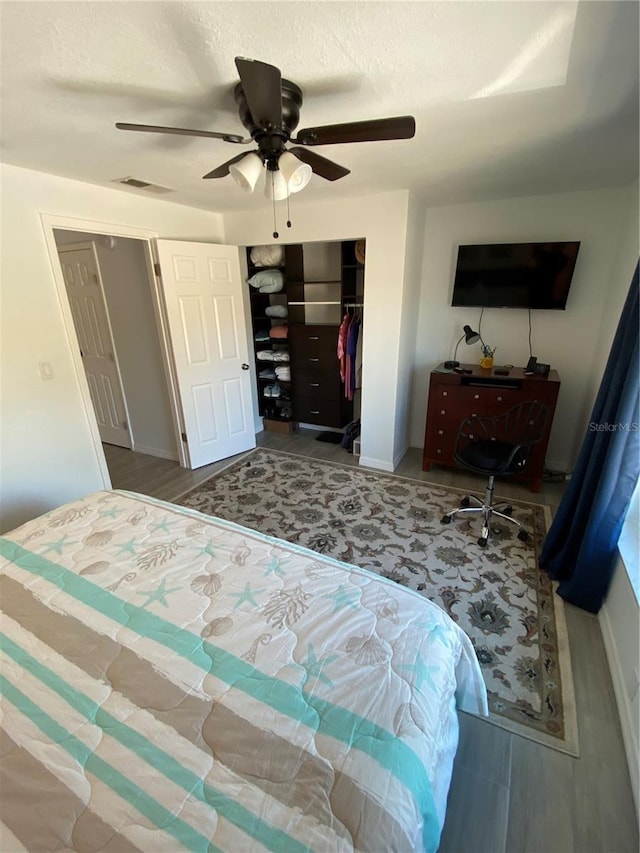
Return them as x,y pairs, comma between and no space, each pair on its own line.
288,213
273,201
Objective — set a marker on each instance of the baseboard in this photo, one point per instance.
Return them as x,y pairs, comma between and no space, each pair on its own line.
397,459
155,451
370,462
627,723
552,465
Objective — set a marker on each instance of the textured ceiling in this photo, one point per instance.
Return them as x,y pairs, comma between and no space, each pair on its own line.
510,98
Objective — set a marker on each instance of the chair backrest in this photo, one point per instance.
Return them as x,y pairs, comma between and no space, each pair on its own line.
521,426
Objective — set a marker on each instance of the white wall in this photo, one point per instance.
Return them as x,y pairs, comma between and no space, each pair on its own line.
620,623
565,339
382,220
47,455
409,324
125,278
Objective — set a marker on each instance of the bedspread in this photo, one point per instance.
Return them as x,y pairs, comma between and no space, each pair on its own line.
173,681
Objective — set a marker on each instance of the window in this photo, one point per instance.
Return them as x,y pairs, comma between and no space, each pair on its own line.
629,539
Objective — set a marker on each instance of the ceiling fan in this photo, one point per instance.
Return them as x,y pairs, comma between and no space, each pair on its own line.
269,109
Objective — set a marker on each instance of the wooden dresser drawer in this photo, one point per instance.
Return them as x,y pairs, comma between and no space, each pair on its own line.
314,340
314,360
311,410
323,384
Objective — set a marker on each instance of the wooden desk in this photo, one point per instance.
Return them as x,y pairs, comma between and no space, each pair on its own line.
455,396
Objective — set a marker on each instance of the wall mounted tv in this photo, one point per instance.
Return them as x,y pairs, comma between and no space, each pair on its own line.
514,275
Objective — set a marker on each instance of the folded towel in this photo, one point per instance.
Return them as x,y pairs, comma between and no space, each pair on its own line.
262,336
280,355
276,311
267,256
265,355
267,281
279,332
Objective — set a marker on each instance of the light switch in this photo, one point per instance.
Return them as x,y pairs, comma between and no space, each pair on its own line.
46,370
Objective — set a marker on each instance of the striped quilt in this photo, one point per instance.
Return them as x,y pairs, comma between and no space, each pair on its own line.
171,681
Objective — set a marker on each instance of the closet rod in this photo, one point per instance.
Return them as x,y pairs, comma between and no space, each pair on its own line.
313,302
354,305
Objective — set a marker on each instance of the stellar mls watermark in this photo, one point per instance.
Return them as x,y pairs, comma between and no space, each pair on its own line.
605,426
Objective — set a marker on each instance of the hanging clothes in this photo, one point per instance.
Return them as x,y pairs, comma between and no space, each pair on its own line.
352,348
343,332
358,371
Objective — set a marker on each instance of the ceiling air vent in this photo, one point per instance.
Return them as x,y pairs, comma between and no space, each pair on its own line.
139,184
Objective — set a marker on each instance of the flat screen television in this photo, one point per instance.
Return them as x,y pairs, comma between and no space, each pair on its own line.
514,275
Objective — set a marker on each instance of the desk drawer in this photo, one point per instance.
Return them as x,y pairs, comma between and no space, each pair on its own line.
476,400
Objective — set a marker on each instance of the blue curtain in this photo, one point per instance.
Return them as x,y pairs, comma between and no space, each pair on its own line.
580,548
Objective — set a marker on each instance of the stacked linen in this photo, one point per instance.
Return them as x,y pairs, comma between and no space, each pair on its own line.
281,332
272,355
283,373
267,281
276,311
267,256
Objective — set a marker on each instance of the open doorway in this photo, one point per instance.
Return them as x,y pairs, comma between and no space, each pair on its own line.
107,283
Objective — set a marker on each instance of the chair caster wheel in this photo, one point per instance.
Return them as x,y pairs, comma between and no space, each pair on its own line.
523,535
446,519
507,510
465,502
482,542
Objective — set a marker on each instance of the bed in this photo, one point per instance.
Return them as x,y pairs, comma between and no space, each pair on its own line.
175,681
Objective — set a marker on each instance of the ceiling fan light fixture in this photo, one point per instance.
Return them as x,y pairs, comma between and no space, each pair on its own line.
275,185
296,174
246,172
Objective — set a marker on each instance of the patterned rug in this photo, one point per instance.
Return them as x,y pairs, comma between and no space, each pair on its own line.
391,525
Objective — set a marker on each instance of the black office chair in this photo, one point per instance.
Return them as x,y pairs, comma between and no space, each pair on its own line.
497,447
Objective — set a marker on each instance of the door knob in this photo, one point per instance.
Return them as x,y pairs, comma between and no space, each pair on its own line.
245,367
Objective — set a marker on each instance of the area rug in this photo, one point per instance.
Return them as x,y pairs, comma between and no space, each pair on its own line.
392,526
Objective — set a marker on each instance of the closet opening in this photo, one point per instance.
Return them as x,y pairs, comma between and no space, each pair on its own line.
307,320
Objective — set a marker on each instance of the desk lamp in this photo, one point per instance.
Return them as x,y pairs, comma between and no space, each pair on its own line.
470,337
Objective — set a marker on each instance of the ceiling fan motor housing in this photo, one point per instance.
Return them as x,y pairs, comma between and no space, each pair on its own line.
271,140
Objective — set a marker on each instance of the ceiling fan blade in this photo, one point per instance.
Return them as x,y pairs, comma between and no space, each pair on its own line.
401,127
182,131
262,87
321,166
223,170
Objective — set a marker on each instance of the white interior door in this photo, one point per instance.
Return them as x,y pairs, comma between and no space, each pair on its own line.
90,318
202,290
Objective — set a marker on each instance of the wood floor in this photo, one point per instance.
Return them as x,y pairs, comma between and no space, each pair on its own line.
508,794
